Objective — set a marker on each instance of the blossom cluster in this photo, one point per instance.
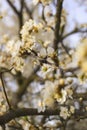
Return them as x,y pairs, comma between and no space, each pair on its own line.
35,35
53,93
29,33
66,113
10,56
35,41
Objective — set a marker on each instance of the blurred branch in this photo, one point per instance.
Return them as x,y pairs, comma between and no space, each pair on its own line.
65,48
22,88
76,30
21,14
13,7
27,10
12,114
82,96
3,127
5,93
58,22
21,3
18,13
57,29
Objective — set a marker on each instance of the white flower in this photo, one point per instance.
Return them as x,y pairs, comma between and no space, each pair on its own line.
34,35
48,93
46,52
46,71
18,63
41,106
10,56
46,43
52,93
35,2
43,53
12,47
72,109
81,55
49,16
61,96
5,60
29,34
50,51
64,113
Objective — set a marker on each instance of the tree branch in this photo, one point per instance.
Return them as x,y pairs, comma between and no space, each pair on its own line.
28,11
57,30
12,114
80,95
3,85
22,88
58,22
76,30
13,7
16,113
21,16
18,13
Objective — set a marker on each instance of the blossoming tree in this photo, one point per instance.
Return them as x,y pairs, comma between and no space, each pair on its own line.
48,75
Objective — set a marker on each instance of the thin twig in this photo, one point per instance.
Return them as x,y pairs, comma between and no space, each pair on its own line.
21,15
21,91
76,30
43,16
3,85
13,7
65,49
18,13
29,12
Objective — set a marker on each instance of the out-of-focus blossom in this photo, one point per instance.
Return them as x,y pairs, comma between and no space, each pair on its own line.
52,93
81,55
44,2
64,113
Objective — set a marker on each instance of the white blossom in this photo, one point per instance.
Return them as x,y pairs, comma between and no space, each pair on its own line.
52,93
34,34
80,56
64,113
43,53
50,51
29,34
72,109
12,47
61,96
46,71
